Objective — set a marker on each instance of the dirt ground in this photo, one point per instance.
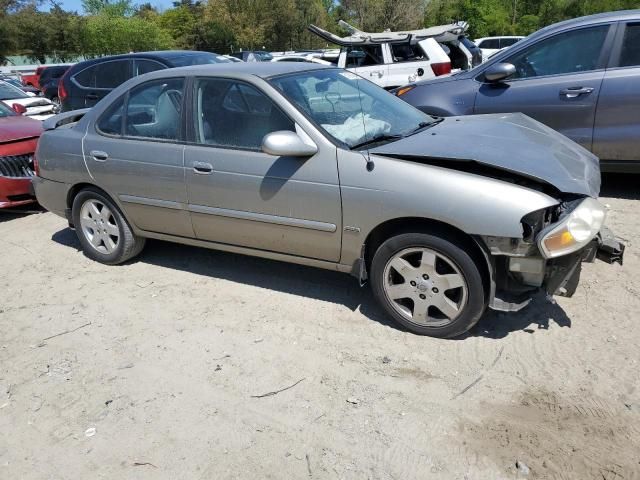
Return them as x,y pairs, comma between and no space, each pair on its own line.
161,373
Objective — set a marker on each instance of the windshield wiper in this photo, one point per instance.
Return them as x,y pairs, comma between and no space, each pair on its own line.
376,139
422,125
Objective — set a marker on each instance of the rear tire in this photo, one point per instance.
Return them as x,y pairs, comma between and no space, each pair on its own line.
429,284
104,233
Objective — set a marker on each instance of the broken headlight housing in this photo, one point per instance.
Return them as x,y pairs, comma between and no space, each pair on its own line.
574,231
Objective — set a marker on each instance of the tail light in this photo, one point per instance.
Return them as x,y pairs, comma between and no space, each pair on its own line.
62,92
441,68
36,165
19,109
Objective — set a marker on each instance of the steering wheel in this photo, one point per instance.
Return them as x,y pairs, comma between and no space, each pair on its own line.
525,69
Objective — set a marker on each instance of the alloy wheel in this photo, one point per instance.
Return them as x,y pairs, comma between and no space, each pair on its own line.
99,226
425,287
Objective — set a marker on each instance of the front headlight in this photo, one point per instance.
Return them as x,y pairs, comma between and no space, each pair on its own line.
574,231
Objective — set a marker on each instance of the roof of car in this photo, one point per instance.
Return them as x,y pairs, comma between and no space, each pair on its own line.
166,55
258,69
618,16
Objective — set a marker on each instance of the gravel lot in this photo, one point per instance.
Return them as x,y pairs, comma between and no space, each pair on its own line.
160,371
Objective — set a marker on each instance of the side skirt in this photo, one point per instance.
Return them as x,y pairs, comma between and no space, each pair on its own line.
282,257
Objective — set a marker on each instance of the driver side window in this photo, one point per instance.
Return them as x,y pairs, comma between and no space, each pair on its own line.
570,52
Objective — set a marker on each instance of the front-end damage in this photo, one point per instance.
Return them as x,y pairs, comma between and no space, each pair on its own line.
522,266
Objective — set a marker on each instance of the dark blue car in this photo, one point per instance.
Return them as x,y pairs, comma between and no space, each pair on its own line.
580,77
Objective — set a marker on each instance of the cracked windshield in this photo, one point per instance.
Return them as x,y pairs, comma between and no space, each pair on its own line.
350,109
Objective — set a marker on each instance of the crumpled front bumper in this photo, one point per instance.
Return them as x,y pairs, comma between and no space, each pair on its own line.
564,272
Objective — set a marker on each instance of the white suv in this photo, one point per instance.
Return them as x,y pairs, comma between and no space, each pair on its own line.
492,45
392,59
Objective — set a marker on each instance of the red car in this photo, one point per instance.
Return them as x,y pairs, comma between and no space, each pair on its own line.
32,79
18,139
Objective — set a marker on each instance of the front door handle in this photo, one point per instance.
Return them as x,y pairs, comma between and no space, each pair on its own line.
99,155
575,92
379,73
202,168
92,96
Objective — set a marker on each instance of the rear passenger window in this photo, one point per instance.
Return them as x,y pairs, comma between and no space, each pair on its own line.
154,110
111,121
405,52
491,44
235,115
146,66
107,75
630,54
364,56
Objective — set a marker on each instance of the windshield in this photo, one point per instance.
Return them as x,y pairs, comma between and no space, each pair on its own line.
8,91
353,111
5,111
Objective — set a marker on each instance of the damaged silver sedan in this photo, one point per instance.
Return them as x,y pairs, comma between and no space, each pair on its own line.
312,165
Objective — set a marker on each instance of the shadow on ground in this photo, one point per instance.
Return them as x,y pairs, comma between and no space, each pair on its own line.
319,284
620,185
8,214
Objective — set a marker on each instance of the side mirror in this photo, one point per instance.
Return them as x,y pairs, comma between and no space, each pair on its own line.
287,144
19,109
498,72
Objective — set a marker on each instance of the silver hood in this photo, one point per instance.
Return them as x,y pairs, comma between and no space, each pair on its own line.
511,142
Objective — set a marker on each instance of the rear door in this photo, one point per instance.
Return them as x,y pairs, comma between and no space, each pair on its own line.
557,82
95,82
368,62
617,126
409,63
135,152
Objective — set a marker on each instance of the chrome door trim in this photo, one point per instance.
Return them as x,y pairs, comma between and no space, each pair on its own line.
264,218
152,202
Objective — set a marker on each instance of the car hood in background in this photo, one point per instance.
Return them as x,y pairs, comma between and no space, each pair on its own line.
34,105
511,142
16,128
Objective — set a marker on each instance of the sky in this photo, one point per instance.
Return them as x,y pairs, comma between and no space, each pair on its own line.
76,5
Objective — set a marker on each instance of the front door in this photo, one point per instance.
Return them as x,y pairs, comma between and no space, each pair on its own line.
617,128
557,82
135,153
239,195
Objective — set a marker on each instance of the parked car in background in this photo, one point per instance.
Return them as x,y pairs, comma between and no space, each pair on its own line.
476,52
18,138
390,59
85,83
49,80
32,79
232,58
253,56
580,77
491,45
301,58
314,165
23,103
31,91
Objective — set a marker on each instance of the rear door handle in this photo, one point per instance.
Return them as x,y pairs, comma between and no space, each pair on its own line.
575,92
99,155
202,168
92,96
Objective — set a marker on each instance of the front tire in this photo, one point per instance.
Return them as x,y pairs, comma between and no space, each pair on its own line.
104,233
428,284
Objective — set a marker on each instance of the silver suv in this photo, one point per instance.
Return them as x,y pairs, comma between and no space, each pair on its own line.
314,165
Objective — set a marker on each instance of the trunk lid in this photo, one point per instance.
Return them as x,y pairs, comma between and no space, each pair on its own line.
511,142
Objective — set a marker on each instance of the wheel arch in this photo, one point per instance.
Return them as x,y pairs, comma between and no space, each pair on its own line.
398,226
78,187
